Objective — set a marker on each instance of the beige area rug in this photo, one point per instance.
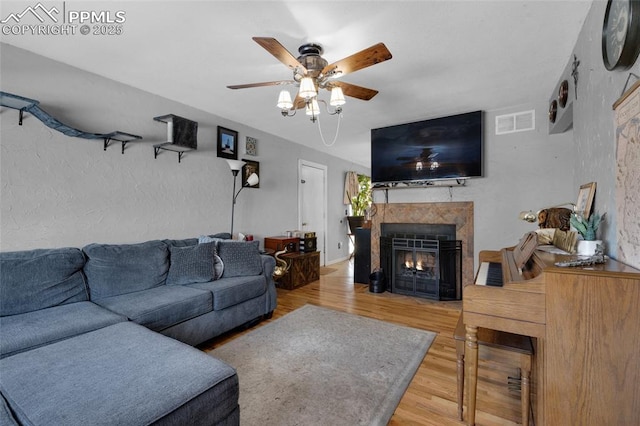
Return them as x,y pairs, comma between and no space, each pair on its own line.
318,366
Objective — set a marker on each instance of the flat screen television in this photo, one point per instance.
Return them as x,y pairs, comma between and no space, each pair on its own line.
440,148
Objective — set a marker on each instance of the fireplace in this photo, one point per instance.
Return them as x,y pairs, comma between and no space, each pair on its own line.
458,214
422,260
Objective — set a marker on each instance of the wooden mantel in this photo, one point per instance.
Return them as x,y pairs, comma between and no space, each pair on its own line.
457,213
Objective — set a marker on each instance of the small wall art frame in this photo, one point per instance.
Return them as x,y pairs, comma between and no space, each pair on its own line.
227,143
585,199
249,168
251,146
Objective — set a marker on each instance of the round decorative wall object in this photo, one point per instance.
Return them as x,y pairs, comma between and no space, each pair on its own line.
563,93
553,111
621,34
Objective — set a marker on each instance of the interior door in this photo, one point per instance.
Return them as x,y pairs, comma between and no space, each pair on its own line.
312,189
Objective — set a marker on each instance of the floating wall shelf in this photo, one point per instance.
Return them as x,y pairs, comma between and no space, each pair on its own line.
31,106
182,135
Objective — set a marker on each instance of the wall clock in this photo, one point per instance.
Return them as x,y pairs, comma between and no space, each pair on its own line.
621,34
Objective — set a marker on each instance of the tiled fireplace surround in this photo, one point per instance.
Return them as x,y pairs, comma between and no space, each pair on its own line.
458,213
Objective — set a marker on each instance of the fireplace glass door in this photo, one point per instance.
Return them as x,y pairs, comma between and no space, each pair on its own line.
415,267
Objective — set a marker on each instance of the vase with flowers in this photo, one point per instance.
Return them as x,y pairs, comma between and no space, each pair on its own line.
588,229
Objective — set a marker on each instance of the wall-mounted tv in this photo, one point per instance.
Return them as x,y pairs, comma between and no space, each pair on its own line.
440,148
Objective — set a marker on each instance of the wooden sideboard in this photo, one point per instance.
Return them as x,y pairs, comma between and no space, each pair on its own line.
305,268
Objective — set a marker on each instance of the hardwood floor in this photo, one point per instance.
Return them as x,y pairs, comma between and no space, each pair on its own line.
431,397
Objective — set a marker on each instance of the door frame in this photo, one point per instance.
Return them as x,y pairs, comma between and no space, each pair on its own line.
324,168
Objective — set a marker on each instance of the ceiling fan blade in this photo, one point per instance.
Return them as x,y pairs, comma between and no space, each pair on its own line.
299,102
354,91
274,47
365,58
266,83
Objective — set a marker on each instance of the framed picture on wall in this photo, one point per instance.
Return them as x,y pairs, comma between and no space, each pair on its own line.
585,199
227,143
251,146
249,168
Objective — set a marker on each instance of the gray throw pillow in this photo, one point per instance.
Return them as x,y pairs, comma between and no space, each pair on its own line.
192,264
241,258
218,264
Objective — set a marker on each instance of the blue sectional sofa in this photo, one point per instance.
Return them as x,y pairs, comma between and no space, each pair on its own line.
104,334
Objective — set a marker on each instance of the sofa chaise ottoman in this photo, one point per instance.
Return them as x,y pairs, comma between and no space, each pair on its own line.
122,374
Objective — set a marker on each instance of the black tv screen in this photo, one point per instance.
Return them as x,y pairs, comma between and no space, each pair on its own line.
441,148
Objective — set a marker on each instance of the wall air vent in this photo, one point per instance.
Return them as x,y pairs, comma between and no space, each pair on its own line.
516,122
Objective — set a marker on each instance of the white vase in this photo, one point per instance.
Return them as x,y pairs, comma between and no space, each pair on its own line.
587,248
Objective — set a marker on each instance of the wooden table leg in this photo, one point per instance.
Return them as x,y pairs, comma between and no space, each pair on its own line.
460,371
471,359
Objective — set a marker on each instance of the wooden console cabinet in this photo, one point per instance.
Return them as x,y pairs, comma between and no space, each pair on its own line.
305,268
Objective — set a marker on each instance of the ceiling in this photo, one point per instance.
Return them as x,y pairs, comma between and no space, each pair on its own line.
448,56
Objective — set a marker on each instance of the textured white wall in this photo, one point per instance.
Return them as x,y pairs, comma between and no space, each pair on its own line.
59,191
594,130
62,191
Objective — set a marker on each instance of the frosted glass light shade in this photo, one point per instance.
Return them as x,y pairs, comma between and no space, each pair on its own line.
253,179
235,165
313,108
307,88
337,97
284,100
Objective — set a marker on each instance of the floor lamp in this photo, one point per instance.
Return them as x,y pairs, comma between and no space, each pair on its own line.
252,180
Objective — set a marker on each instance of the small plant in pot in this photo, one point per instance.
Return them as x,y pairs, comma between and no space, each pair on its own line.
587,228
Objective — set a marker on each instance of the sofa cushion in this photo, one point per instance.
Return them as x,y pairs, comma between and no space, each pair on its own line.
123,374
231,291
186,242
6,417
161,307
114,269
30,330
202,239
37,279
192,264
240,258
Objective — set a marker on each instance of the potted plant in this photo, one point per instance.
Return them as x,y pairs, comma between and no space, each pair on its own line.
360,203
587,228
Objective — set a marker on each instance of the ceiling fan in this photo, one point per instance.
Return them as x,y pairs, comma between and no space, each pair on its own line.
311,68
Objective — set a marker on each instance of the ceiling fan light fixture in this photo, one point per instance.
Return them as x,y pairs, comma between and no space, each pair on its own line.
284,100
337,97
313,109
311,72
307,88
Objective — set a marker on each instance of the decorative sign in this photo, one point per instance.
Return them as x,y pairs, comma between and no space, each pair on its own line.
251,146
